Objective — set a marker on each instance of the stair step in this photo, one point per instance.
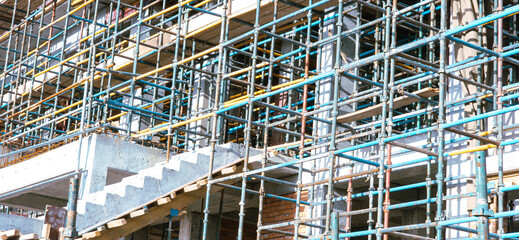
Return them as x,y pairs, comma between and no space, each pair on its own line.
155,182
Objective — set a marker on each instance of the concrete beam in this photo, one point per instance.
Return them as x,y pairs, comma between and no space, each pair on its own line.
25,225
32,201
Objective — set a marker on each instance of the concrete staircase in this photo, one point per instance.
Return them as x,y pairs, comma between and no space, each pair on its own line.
148,184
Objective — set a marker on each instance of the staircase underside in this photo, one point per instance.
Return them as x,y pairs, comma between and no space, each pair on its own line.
159,208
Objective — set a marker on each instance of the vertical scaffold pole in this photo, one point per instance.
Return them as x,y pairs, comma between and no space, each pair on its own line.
7,54
250,111
335,112
441,120
136,54
383,127
480,157
499,91
70,220
303,123
393,39
8,50
376,78
428,178
481,210
214,120
266,129
335,226
112,59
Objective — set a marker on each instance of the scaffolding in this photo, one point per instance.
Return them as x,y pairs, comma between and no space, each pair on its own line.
179,75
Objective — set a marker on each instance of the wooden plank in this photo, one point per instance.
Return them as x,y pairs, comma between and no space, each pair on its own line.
229,170
163,200
139,213
272,154
155,213
182,213
45,231
116,223
202,182
60,233
377,109
91,234
12,233
55,217
30,236
192,187
285,145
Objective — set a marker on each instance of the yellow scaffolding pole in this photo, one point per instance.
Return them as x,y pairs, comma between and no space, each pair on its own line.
165,126
66,15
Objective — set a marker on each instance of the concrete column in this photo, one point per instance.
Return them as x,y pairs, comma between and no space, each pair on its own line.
282,99
463,12
460,164
135,117
325,95
201,99
186,223
413,216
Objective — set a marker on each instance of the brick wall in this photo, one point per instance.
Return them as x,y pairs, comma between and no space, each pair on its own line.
277,211
229,230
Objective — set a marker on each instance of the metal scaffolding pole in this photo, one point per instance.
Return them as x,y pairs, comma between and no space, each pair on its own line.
273,75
